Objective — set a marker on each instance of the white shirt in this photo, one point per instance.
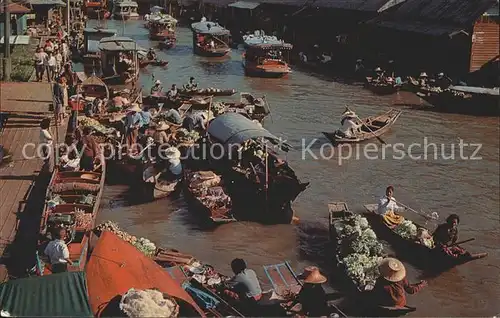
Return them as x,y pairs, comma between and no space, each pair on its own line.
349,127
45,137
175,167
57,251
52,61
385,205
59,58
212,44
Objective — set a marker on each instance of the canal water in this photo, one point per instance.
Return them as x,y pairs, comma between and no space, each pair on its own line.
303,106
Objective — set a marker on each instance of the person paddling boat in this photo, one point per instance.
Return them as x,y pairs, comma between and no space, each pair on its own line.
350,124
391,287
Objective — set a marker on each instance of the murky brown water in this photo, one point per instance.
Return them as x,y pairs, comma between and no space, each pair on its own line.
303,106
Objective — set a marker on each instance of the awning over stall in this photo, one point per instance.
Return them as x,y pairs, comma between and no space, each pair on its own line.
56,295
231,128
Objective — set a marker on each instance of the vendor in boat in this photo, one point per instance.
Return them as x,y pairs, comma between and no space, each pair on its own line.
151,55
133,122
379,74
58,252
391,287
173,116
146,116
195,121
191,85
423,80
387,208
172,94
350,125
157,88
91,150
446,235
442,81
245,285
173,157
312,296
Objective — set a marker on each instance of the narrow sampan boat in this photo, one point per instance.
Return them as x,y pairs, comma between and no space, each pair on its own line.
374,126
93,86
156,188
382,88
207,92
144,63
431,257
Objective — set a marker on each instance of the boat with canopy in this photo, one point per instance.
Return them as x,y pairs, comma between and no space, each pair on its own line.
91,53
210,39
266,56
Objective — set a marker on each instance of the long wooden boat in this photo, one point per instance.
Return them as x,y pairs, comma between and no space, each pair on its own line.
465,100
93,86
143,63
382,88
429,257
73,199
373,126
207,92
264,57
116,266
162,29
204,32
154,189
216,213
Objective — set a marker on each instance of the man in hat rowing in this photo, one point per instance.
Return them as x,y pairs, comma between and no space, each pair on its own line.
350,124
157,88
391,287
191,85
312,296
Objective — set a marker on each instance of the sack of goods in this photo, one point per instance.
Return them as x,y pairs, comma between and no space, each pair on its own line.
138,303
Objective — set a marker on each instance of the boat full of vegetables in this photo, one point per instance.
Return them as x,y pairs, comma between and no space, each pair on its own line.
358,251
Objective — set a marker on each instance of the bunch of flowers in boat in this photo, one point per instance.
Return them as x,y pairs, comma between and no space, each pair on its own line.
358,250
410,231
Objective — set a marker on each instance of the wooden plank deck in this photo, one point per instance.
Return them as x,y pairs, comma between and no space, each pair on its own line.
25,104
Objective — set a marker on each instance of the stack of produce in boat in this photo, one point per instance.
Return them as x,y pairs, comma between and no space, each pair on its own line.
94,124
207,187
142,244
409,230
83,220
358,250
184,136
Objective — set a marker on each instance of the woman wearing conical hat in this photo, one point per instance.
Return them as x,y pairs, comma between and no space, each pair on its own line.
391,287
312,296
350,124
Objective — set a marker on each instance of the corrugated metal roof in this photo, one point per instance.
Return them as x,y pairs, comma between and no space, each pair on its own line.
244,5
357,5
15,8
17,39
435,17
218,3
485,46
295,3
48,2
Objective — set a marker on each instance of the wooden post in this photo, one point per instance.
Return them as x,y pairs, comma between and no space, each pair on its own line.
6,44
68,18
266,186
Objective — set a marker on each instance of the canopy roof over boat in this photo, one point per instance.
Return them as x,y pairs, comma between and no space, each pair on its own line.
235,129
265,42
207,27
477,90
118,44
244,5
156,9
127,4
100,30
116,266
56,295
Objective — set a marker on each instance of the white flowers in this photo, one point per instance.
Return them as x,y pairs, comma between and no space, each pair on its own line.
359,250
406,229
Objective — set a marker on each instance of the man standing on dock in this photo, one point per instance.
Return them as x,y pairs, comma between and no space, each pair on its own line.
58,252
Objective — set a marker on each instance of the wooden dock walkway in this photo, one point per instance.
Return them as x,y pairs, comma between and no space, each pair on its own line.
24,105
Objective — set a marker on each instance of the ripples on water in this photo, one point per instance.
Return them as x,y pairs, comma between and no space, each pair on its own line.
303,106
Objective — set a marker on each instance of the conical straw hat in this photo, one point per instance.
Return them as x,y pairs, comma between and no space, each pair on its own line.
392,269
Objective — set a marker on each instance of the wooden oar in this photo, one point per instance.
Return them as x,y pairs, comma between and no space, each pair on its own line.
379,139
462,242
419,213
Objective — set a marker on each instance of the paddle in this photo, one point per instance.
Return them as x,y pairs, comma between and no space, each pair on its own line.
379,139
432,217
462,242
